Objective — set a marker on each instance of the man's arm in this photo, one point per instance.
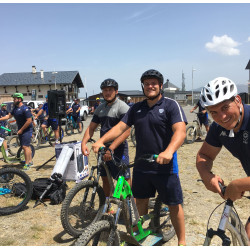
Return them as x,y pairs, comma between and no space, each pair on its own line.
120,139
194,108
39,113
204,163
179,134
6,117
112,134
87,135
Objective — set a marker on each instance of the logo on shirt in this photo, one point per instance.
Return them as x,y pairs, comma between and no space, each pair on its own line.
138,111
223,133
245,137
161,111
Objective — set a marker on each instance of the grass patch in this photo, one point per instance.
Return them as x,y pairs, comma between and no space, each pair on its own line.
7,242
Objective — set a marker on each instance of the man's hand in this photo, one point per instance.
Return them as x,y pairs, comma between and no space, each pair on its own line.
212,183
107,156
85,150
97,145
233,192
19,132
164,158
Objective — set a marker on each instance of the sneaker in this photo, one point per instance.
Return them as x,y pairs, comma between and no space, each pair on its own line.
31,164
111,210
26,167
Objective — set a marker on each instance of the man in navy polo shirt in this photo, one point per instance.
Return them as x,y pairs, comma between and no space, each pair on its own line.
160,128
76,113
4,112
53,122
108,114
202,116
231,128
23,118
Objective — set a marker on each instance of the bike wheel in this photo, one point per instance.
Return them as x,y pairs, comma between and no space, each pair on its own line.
13,144
77,212
190,134
80,131
162,220
13,198
98,234
20,152
36,140
69,130
132,135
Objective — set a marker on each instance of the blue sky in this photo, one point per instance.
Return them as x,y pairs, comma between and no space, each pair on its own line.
121,41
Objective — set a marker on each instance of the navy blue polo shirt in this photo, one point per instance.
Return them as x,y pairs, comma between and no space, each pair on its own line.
75,107
21,115
46,109
239,145
108,116
2,114
153,131
201,115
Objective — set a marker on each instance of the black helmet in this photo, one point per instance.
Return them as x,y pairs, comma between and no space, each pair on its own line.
109,83
152,73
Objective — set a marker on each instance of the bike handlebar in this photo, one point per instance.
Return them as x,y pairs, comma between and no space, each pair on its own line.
9,130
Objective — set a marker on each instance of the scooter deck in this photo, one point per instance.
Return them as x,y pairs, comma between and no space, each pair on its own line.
151,240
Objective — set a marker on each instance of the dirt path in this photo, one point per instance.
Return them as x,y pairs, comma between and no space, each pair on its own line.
41,226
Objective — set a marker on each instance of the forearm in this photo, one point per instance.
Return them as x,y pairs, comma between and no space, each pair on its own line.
115,144
176,141
242,184
5,117
26,124
204,165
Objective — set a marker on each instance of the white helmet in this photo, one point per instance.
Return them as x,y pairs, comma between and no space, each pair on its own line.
218,90
40,103
129,98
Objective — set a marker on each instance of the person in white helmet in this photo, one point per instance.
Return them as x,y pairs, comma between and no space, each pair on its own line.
231,129
129,101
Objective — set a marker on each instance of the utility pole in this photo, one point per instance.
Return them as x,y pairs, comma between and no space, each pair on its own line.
183,82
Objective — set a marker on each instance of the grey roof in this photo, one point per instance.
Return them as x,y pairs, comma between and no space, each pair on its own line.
131,93
29,78
248,65
168,84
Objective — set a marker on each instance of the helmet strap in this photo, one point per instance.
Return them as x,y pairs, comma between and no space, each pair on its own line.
231,133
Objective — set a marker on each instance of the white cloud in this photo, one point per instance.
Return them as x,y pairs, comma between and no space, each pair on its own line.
248,39
224,45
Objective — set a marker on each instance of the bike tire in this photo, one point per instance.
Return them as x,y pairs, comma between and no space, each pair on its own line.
69,129
162,221
13,144
9,202
36,140
79,128
132,135
20,152
191,134
97,234
75,214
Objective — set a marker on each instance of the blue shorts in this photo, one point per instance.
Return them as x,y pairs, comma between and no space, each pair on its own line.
53,124
203,120
114,170
168,187
76,118
25,138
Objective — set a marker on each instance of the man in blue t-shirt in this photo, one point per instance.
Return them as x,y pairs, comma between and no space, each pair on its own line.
76,113
202,116
23,118
108,114
53,122
231,128
160,128
129,102
4,112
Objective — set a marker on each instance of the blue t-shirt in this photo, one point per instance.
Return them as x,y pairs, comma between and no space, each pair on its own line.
21,115
108,116
46,109
201,108
75,107
153,131
2,114
239,145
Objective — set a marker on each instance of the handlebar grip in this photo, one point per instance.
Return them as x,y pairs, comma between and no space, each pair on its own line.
9,130
223,188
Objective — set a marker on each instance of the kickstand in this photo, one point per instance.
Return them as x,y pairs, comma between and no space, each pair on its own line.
40,200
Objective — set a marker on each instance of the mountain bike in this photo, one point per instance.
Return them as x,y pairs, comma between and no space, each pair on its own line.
230,229
15,150
152,228
14,198
71,125
193,131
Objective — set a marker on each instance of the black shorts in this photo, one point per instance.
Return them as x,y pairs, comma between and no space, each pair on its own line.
203,120
25,138
76,119
53,124
168,187
114,170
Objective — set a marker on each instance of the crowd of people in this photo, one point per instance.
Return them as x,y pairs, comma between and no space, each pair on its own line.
164,120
